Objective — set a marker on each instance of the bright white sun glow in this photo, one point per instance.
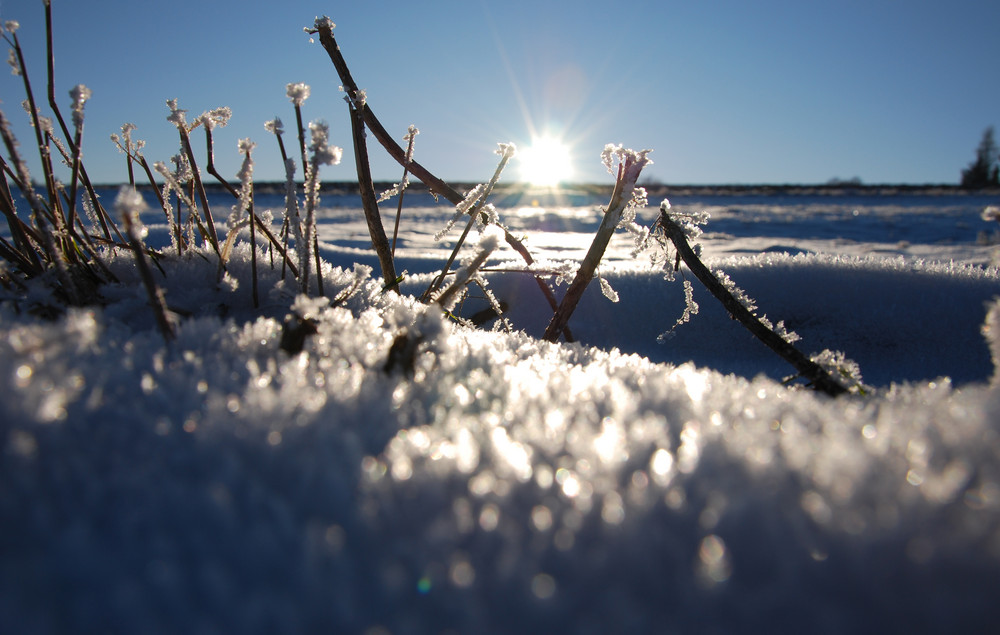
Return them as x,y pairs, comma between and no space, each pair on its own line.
546,162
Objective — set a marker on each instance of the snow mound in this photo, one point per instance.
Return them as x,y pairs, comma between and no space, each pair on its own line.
477,481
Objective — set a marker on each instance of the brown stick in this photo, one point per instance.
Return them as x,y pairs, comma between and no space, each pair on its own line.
811,371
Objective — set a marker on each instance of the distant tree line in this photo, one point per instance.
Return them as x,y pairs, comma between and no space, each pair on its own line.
985,170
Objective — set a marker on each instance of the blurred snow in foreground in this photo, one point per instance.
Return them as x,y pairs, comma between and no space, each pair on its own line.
496,483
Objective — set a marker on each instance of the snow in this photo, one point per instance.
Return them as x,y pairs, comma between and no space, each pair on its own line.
484,481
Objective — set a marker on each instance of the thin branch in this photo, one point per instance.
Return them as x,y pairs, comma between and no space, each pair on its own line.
819,378
595,254
369,201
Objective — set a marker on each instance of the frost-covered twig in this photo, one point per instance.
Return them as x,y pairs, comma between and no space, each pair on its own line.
177,118
630,166
815,374
298,93
488,243
128,204
369,201
410,136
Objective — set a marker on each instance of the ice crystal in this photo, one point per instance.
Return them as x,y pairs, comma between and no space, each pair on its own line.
409,137
125,143
298,93
738,293
177,115
15,68
245,175
322,152
690,308
324,22
246,146
128,205
274,126
216,117
842,368
79,94
607,289
358,99
489,240
462,209
11,26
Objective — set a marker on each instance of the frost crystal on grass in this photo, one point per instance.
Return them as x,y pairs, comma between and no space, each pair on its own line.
845,370
15,68
274,126
79,94
607,289
737,292
690,308
323,22
298,93
789,336
176,116
394,190
489,240
462,209
358,100
245,175
129,204
409,137
125,143
323,153
216,117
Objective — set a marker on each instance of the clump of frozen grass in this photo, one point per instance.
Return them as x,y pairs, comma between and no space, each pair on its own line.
60,236
80,94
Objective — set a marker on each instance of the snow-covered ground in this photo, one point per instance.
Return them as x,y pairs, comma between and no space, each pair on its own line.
497,483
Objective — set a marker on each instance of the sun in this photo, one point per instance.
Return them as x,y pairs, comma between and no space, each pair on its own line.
546,162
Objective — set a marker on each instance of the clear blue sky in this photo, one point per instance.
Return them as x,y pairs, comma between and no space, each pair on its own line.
722,91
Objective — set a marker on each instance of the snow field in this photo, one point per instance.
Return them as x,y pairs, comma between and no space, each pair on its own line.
221,484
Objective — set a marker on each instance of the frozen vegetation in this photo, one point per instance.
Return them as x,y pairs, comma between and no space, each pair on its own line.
492,482
200,436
